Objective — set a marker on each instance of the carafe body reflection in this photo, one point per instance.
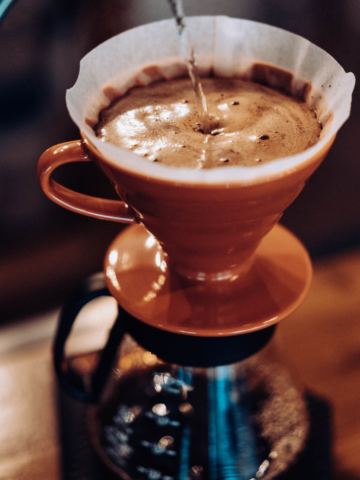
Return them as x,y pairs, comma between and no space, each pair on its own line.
160,420
170,411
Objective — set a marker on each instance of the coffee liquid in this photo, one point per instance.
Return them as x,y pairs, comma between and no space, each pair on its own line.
251,124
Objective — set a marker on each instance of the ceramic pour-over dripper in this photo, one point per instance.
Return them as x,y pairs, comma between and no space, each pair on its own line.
206,227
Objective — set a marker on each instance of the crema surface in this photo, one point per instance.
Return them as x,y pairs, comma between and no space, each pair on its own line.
250,124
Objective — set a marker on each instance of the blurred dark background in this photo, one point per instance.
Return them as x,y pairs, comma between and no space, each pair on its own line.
45,250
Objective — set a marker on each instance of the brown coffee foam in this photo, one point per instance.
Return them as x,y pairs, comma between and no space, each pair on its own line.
280,123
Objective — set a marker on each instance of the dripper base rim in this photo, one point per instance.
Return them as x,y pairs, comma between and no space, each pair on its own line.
147,289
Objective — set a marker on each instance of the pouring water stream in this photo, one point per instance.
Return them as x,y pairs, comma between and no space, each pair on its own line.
188,53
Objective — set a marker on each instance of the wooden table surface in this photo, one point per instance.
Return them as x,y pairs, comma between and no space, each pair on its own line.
321,339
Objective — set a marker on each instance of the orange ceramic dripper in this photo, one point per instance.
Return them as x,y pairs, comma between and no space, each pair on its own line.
208,231
207,238
208,225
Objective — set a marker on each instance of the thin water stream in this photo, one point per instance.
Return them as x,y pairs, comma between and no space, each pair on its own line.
187,50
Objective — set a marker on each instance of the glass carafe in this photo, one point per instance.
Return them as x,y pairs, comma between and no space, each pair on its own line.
176,407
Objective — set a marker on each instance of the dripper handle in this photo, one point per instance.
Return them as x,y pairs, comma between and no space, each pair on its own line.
90,289
101,208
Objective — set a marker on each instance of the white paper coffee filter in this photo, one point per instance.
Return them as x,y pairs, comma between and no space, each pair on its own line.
227,46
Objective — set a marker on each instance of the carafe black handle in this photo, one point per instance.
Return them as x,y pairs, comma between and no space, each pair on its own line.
90,289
